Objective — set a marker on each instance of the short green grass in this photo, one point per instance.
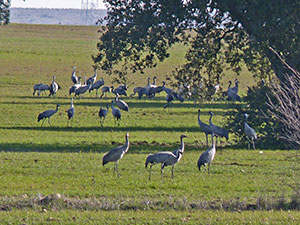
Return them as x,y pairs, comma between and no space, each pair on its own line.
37,160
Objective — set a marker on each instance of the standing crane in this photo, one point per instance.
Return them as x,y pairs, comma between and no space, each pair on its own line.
47,114
205,128
121,104
106,89
71,112
102,114
74,78
97,85
92,79
232,96
250,132
53,87
116,114
236,87
75,86
216,130
166,158
116,154
208,156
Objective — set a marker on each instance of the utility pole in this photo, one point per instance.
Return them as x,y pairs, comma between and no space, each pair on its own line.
87,15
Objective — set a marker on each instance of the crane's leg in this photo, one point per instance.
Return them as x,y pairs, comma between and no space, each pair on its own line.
253,143
161,170
49,121
150,172
43,122
206,139
172,171
117,169
208,166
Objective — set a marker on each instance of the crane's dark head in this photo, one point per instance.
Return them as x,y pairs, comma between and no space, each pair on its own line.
236,81
230,82
183,136
57,105
198,111
127,135
211,113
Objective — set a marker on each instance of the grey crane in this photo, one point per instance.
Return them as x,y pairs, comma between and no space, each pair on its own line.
92,79
121,90
121,104
97,85
205,128
75,86
136,90
71,111
82,89
53,87
236,87
167,90
116,154
74,78
116,114
102,114
232,96
106,89
169,99
216,130
250,132
40,88
166,158
47,114
156,90
146,90
208,156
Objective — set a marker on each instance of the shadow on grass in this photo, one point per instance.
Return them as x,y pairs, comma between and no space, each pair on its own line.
105,129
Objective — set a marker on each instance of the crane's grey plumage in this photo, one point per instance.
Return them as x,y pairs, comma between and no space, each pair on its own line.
136,90
121,104
169,99
53,87
106,89
71,111
47,114
208,156
75,86
205,128
92,79
40,88
74,78
121,90
97,85
216,130
82,89
102,114
146,90
116,114
166,158
232,96
236,87
250,132
167,90
116,154
156,90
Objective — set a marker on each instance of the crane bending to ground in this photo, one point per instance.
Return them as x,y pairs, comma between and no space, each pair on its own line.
47,114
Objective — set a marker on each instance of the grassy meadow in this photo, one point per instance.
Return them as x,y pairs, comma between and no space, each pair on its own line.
54,175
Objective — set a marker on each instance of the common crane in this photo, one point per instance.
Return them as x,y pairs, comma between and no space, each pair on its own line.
167,90
121,90
92,79
75,86
40,88
116,154
47,114
97,85
250,132
71,111
166,158
106,89
121,104
102,114
216,130
208,156
232,96
74,78
116,114
53,87
205,128
82,89
156,90
136,90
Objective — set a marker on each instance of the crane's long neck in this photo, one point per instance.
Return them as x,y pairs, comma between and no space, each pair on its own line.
148,83
199,120
72,106
229,85
126,143
210,118
213,145
56,108
181,148
154,81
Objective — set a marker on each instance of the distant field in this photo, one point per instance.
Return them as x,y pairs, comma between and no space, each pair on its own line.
40,161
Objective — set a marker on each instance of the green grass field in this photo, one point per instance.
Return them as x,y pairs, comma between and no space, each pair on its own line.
38,163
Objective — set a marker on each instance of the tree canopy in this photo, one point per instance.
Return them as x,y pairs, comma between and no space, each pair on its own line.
138,34
4,11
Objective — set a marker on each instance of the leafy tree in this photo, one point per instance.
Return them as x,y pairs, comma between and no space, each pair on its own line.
220,34
4,11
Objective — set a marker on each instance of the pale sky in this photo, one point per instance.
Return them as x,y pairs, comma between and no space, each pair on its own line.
53,3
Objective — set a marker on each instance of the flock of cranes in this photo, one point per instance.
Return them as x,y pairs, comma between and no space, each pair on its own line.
166,158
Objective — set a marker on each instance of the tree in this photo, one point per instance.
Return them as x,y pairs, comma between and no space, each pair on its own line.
4,11
138,34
